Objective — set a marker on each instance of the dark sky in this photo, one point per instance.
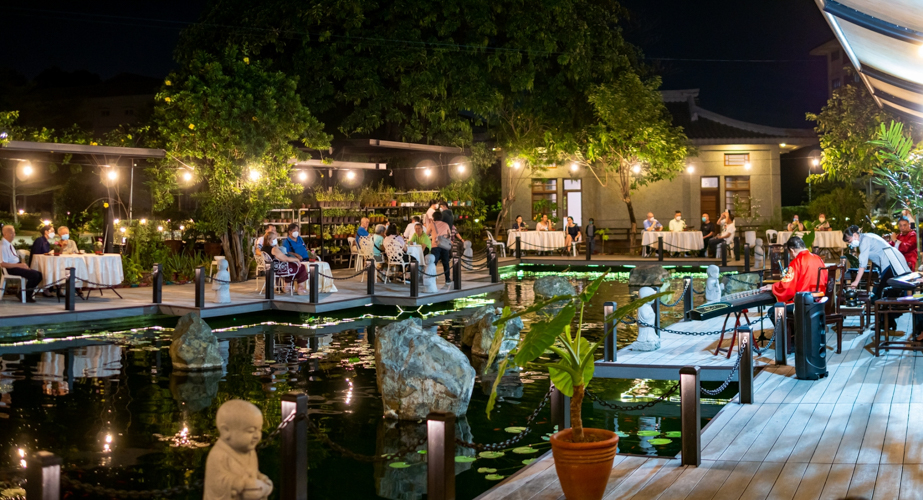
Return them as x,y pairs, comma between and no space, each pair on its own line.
137,36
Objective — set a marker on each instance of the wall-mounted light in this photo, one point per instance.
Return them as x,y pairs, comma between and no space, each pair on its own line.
517,164
815,162
747,165
690,169
350,175
427,172
302,175
574,167
112,175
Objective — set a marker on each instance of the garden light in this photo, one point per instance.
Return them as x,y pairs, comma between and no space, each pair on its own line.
747,165
181,228
160,228
27,169
461,169
254,175
427,172
302,175
116,221
636,169
187,176
517,164
350,175
121,229
815,162
21,211
782,145
143,221
46,222
574,167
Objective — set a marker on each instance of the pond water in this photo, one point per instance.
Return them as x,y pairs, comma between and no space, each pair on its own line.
108,402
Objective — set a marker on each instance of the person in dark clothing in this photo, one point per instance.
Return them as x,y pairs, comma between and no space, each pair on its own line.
519,225
590,231
42,244
572,234
708,232
10,261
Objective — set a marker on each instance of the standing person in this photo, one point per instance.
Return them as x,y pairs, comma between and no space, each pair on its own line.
873,248
10,261
519,225
677,224
652,224
822,223
906,243
409,230
708,232
428,217
441,236
447,215
795,224
727,234
590,231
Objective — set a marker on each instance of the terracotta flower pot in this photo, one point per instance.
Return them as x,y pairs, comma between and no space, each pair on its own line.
583,468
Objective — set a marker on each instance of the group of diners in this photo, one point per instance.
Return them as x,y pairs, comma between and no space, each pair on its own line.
290,252
48,242
713,233
572,233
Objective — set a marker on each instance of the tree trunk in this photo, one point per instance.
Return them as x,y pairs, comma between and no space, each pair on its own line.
238,261
576,421
500,216
633,232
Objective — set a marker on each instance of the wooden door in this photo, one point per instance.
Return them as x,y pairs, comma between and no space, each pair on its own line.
709,197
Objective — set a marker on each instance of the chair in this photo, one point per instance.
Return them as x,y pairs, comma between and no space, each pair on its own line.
4,277
281,272
260,267
354,261
832,315
25,256
214,264
865,311
772,236
494,243
750,238
366,246
395,255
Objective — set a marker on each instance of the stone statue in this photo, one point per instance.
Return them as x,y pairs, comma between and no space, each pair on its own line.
647,335
221,283
232,471
429,279
713,287
468,255
759,254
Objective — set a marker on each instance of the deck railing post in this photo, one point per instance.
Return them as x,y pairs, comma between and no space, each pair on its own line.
313,285
414,280
270,285
560,409
745,372
690,415
746,257
200,287
70,294
611,326
657,316
492,265
440,455
43,476
780,334
457,273
724,254
294,444
687,297
737,248
518,247
660,248
370,279
158,283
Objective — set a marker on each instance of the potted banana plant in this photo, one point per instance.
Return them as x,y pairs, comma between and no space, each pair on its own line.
582,456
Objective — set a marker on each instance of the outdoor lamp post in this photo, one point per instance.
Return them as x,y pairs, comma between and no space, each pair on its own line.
814,162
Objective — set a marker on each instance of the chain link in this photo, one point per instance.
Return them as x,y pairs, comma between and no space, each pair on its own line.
513,440
678,299
696,334
724,385
664,397
365,458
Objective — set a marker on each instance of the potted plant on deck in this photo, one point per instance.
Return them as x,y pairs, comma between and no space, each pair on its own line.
582,456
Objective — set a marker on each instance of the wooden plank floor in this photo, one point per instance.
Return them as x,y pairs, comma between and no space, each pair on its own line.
852,435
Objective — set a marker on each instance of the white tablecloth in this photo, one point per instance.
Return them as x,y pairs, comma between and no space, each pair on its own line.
675,241
537,241
416,253
822,239
101,270
324,283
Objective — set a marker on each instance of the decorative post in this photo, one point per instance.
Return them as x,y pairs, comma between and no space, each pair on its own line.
270,285
657,316
736,248
690,415
492,266
518,247
43,476
158,283
457,278
745,372
294,448
200,287
687,297
371,278
611,326
746,257
781,334
414,279
69,303
312,284
660,248
724,254
440,455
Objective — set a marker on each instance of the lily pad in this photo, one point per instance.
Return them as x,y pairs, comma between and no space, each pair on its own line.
464,460
494,477
648,433
398,465
673,434
528,461
621,434
514,430
491,454
524,450
660,441
546,438
486,470
421,452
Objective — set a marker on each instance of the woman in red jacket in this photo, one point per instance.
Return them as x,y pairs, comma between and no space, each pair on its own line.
906,243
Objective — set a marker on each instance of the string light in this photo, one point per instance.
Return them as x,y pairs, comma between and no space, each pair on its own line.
112,175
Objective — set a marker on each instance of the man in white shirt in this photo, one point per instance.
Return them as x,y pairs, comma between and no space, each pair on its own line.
428,218
727,235
10,261
678,224
410,230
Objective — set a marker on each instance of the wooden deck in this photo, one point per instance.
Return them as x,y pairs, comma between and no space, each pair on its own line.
180,299
852,435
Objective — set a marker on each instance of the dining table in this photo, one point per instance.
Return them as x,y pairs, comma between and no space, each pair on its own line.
90,270
537,241
324,276
822,239
675,241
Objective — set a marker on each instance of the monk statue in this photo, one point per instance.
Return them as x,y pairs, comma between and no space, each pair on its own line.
232,471
713,286
221,283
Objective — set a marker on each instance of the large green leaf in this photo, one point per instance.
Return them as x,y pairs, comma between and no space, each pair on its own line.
543,334
564,381
492,400
497,342
591,289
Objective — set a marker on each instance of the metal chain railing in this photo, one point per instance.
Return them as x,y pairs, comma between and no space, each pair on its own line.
513,440
692,334
678,299
724,385
663,397
543,248
408,448
748,283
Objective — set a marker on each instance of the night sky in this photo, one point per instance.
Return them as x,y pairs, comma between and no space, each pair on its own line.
109,37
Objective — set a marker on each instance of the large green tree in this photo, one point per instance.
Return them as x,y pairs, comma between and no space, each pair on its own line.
233,123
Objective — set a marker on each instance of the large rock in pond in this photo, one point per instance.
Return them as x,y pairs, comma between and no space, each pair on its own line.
547,287
479,331
418,372
194,345
195,390
648,275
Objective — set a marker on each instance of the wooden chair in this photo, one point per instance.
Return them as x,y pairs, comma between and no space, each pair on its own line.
832,313
865,312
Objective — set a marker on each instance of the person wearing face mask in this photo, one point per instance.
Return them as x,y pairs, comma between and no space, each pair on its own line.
795,225
822,223
873,248
42,244
68,246
800,276
279,259
678,224
294,245
708,232
652,224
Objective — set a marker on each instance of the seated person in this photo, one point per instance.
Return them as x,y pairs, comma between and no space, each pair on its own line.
294,245
708,232
651,224
363,229
258,245
280,259
408,231
42,244
519,225
726,235
10,261
801,275
66,245
392,236
571,233
378,240
678,224
544,224
906,243
822,223
421,238
795,225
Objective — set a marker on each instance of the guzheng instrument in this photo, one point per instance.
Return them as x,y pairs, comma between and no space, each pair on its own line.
732,303
909,281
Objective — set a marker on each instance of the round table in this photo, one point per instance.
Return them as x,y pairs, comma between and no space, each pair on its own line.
99,271
822,239
416,252
324,284
537,241
675,241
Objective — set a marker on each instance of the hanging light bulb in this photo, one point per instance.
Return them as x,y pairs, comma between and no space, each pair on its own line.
187,176
636,168
302,175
